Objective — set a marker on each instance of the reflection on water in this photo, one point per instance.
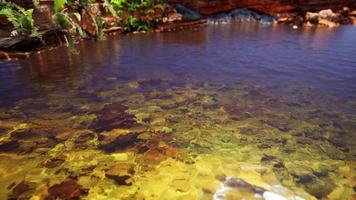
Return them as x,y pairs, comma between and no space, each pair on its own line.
227,112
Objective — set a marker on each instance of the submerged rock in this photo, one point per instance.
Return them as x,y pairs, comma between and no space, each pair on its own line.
68,189
117,139
22,190
121,173
52,163
318,187
9,146
113,116
158,153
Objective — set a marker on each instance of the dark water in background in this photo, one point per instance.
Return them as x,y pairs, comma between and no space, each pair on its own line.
321,59
252,105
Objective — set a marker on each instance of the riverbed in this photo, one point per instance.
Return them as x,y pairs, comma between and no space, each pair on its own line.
224,112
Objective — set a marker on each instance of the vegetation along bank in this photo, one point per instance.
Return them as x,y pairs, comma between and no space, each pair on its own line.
31,26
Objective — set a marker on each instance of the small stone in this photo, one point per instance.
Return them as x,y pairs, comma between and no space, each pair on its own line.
120,156
52,163
121,173
273,196
267,158
279,165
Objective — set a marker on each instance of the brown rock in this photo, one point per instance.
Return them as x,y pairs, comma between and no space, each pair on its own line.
159,153
353,20
328,23
68,189
52,163
22,190
121,173
117,139
113,116
9,146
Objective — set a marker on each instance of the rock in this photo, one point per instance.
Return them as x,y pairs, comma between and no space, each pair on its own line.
187,14
113,116
328,14
210,7
52,163
22,190
240,15
339,143
20,43
272,196
278,165
279,124
325,18
320,188
117,139
121,173
234,182
267,158
173,16
312,17
9,146
68,189
159,153
328,23
237,188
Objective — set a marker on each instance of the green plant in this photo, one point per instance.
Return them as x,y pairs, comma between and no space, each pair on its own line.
21,19
136,14
63,20
66,24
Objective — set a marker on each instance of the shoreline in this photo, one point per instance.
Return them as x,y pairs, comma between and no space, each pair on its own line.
176,18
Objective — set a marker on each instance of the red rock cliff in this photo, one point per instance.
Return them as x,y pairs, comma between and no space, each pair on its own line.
208,7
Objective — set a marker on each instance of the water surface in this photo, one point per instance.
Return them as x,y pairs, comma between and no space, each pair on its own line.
225,112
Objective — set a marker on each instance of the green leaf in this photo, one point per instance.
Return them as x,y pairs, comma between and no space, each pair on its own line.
58,4
78,16
12,16
62,19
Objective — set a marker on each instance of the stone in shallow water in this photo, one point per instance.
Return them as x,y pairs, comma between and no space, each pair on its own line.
22,190
9,146
117,139
273,196
121,173
113,116
156,154
318,187
68,189
52,163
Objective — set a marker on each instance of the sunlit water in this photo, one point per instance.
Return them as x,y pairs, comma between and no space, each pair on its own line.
226,112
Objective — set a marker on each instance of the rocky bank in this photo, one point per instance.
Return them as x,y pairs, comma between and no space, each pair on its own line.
176,15
273,7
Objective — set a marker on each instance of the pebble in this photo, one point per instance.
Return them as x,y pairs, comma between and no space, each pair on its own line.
272,196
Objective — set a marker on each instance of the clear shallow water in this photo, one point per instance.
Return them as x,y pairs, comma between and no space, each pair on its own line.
256,109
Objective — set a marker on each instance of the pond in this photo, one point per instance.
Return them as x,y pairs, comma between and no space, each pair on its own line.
234,111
